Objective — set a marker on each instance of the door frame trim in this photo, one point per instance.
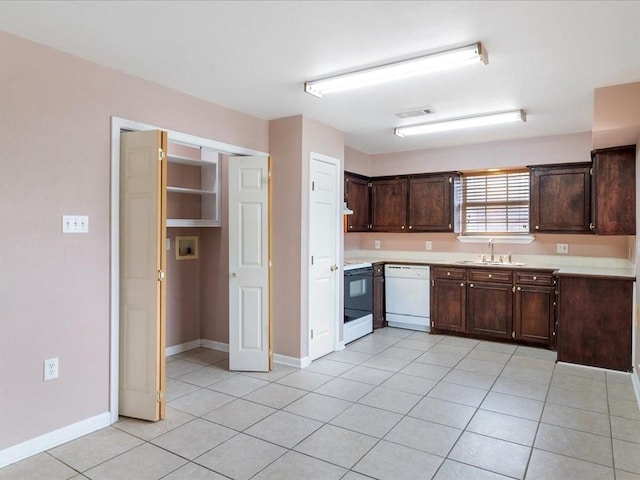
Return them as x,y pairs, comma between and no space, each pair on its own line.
338,242
117,126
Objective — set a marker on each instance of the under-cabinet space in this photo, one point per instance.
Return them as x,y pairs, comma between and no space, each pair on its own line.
193,198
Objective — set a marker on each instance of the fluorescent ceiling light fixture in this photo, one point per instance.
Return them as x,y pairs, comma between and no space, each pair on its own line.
406,68
460,123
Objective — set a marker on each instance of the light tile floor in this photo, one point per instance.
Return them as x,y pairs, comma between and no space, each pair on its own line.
394,405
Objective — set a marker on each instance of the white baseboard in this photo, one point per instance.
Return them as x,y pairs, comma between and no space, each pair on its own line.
636,385
291,361
280,359
224,347
221,347
53,439
183,347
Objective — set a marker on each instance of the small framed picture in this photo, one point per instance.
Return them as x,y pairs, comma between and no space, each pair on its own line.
186,248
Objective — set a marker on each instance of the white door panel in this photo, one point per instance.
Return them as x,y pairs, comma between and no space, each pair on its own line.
324,222
249,264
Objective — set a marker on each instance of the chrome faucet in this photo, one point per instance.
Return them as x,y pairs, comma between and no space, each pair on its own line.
491,247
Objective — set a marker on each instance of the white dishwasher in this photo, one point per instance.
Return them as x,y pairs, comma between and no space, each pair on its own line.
407,296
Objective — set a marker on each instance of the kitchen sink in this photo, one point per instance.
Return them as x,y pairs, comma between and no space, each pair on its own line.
490,263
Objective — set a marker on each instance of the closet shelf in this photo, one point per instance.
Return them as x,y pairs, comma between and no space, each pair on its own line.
190,161
192,191
196,222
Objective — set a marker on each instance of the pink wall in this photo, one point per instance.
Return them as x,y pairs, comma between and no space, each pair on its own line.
291,140
357,162
54,288
214,272
515,153
285,147
544,244
616,115
183,290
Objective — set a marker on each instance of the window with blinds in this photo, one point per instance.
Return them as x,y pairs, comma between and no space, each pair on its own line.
495,203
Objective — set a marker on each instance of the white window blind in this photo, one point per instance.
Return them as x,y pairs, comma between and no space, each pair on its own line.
495,202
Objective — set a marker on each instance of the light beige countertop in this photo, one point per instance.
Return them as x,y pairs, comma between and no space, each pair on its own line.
561,265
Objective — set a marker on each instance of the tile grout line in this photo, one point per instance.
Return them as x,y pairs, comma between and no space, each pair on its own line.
402,416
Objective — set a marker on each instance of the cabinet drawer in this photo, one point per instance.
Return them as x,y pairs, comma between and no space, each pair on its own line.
501,276
378,269
534,278
449,272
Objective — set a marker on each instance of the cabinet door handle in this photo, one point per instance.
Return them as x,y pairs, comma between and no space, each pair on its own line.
462,285
535,278
537,227
350,226
490,276
519,289
402,227
448,273
410,227
471,285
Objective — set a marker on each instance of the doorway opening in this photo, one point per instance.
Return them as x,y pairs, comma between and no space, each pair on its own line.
118,126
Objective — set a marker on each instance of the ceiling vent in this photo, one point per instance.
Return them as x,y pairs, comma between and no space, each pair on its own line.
416,113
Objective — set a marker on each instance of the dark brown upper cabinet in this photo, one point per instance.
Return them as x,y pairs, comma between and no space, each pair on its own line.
560,197
613,200
389,204
356,194
434,203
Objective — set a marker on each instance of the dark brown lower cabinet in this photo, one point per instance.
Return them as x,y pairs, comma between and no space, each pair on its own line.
448,300
378,296
490,312
534,307
594,321
494,303
533,314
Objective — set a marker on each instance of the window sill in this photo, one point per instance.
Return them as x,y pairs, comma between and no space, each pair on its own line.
517,239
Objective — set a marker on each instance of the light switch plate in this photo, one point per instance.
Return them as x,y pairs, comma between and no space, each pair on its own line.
75,224
376,244
562,247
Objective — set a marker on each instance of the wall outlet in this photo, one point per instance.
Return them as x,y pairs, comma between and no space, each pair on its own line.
167,244
562,247
376,244
427,245
50,369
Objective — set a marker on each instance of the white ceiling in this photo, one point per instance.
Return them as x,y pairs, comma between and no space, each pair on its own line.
253,56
